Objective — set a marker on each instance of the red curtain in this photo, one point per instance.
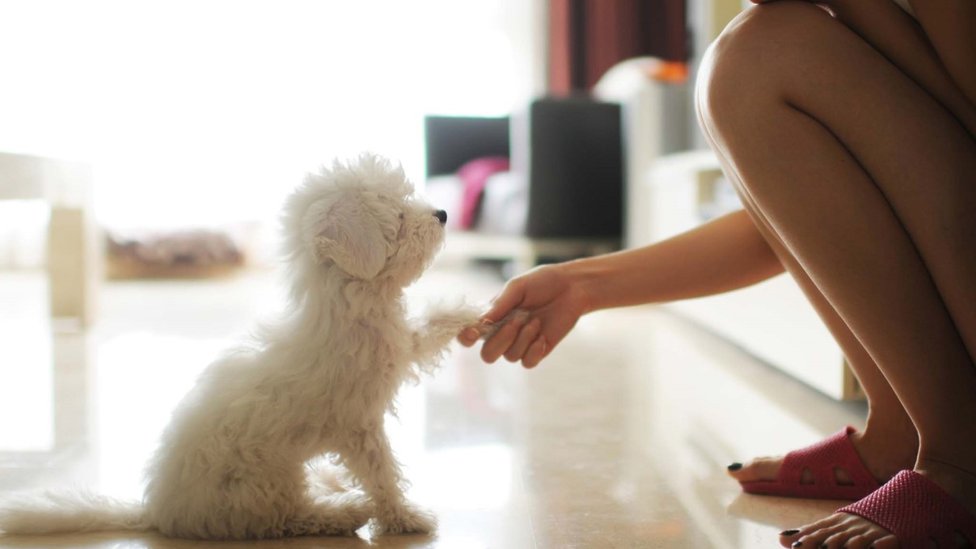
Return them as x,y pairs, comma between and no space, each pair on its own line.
587,37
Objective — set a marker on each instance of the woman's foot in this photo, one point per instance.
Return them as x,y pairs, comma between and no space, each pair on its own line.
883,455
855,532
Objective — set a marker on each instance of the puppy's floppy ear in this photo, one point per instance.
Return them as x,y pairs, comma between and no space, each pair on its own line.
352,239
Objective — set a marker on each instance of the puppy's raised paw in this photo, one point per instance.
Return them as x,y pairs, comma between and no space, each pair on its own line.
450,320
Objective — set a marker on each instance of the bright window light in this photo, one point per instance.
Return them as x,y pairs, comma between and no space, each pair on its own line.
202,112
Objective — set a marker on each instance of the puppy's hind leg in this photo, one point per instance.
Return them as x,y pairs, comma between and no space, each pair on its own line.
324,478
338,514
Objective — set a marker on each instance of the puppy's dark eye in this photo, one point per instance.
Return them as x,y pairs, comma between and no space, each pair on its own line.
401,216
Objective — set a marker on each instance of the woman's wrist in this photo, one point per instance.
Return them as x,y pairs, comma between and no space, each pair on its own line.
587,282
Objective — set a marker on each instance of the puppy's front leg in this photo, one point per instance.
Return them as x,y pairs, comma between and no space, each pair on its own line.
370,459
441,327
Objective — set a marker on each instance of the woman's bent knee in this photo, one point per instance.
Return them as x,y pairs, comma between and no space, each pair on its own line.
752,58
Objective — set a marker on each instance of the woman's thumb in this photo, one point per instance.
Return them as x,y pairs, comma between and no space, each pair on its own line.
510,298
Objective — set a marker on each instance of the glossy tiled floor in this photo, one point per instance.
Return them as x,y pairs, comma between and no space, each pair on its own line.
619,440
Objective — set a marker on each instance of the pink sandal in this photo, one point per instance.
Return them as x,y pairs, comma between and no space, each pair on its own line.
917,511
822,458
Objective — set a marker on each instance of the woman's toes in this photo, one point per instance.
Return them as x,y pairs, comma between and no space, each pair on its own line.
831,537
806,537
834,537
787,537
757,469
849,532
767,468
885,542
862,541
836,531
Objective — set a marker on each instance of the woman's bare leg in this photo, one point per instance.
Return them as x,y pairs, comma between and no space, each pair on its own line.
889,442
868,182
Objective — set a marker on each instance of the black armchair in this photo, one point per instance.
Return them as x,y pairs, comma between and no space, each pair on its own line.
570,151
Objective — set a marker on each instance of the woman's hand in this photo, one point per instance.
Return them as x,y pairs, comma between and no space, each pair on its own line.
536,311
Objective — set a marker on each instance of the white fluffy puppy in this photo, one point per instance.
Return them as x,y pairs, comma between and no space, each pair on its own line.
232,464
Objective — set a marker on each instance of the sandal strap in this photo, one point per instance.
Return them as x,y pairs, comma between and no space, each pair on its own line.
916,511
822,458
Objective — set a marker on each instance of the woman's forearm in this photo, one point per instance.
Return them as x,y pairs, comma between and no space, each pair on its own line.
724,254
908,46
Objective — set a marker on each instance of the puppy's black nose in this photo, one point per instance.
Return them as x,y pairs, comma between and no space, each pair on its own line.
441,216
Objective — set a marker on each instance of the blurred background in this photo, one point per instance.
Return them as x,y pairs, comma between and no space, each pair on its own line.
146,140
202,115
146,148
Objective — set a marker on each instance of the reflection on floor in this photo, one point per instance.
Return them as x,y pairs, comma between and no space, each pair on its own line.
619,439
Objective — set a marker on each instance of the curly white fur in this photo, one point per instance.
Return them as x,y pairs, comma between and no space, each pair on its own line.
233,462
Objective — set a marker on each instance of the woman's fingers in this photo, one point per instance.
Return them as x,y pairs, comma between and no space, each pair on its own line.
520,337
525,337
536,352
469,336
500,342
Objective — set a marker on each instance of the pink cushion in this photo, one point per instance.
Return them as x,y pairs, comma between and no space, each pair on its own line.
474,175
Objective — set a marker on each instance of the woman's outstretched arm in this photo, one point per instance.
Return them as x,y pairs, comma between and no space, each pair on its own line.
724,254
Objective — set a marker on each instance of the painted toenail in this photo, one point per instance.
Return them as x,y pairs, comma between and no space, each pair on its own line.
791,532
735,466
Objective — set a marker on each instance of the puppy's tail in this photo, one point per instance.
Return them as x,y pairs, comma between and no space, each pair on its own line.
74,511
